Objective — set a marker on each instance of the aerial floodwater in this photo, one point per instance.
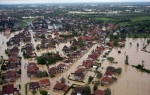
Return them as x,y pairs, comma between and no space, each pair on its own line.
75,48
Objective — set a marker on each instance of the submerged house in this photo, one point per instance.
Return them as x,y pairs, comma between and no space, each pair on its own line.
79,74
32,70
60,86
78,91
9,90
44,83
34,86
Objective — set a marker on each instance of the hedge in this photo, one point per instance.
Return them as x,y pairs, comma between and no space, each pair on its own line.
75,80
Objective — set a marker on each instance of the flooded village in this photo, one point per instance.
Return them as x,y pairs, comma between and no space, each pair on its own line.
73,56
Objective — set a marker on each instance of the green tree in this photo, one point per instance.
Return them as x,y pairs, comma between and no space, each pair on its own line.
90,79
34,92
137,44
107,91
99,75
41,60
74,48
116,42
43,36
95,87
148,41
96,82
3,67
19,72
37,47
63,80
87,90
43,92
111,59
118,70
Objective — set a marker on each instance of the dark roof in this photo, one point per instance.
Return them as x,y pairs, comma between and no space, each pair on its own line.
81,75
59,86
34,85
110,68
11,66
15,49
8,89
78,90
45,82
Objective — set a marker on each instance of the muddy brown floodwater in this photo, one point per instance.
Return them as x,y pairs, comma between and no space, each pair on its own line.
130,82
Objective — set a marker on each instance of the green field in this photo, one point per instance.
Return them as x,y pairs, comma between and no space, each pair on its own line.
24,22
114,19
140,18
124,23
139,35
103,18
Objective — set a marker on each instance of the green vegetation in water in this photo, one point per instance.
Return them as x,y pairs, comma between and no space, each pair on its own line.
107,91
26,88
48,58
90,79
126,60
52,75
111,59
34,92
87,90
118,70
41,74
141,67
63,80
148,41
43,92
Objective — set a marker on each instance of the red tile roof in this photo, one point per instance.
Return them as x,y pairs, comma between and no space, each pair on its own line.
32,68
80,70
13,59
107,79
109,73
45,82
53,70
61,86
8,89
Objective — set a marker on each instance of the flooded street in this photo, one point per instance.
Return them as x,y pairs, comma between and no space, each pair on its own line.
130,82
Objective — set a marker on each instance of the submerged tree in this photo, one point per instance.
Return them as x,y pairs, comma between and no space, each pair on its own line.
63,80
118,70
107,91
137,44
87,90
95,87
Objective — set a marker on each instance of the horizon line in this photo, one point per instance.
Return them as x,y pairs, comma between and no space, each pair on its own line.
70,2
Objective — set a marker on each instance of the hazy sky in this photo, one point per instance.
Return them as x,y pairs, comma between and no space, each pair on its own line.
63,1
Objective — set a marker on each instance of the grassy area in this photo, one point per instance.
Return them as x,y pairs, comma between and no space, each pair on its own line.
103,18
24,22
139,35
140,18
124,23
136,19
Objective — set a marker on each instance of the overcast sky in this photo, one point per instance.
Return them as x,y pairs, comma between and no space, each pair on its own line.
63,1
